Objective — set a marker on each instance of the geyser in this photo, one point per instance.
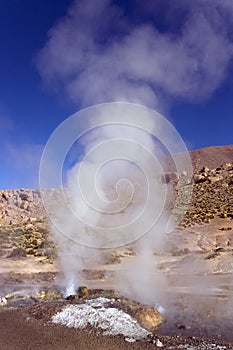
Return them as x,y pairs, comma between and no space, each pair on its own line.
113,195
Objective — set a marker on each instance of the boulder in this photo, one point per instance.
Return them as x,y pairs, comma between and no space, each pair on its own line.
48,294
83,291
149,318
205,169
198,178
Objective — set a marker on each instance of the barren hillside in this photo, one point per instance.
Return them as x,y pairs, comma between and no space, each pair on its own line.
212,157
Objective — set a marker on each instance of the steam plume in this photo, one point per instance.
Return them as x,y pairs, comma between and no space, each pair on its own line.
114,195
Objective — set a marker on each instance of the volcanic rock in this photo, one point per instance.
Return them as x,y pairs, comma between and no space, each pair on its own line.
48,294
83,291
47,302
212,196
198,178
149,318
72,297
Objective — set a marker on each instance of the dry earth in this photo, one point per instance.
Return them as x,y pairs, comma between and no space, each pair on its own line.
200,253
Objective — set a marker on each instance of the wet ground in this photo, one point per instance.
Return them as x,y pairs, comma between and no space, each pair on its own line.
197,301
21,330
201,308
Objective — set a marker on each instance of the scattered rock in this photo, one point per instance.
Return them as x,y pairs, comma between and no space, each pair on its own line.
212,196
159,344
48,294
149,318
198,178
82,291
72,297
3,301
205,169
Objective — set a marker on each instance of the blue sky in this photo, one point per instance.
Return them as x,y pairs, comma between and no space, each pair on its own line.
174,56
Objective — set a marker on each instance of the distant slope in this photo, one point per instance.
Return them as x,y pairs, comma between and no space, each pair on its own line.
212,156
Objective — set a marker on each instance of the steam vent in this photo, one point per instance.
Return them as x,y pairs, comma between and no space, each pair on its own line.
103,309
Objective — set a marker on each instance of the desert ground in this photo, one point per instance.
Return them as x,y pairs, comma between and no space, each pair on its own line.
196,261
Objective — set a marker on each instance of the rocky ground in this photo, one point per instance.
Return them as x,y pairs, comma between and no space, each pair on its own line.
95,318
21,331
212,196
204,241
24,227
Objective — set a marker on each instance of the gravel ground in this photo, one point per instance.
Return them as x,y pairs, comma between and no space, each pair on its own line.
21,331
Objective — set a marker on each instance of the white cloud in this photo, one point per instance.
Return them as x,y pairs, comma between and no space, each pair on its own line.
95,54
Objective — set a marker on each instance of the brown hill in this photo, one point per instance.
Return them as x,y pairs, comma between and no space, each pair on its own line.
212,157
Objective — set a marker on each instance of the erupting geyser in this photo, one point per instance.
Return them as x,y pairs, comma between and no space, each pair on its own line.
112,195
